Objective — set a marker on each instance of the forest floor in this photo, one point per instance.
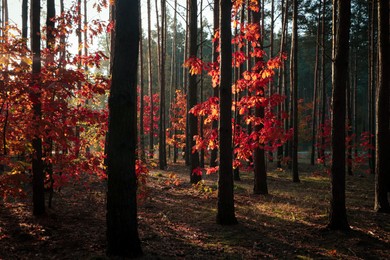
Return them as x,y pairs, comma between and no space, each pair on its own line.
177,221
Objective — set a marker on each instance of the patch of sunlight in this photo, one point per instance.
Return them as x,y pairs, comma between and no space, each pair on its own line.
303,257
316,178
282,211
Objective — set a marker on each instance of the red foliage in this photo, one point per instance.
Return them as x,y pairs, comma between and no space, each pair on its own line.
256,81
74,114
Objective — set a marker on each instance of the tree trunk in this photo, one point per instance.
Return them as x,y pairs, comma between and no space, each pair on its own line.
214,152
173,73
187,151
271,55
259,167
150,83
371,82
122,232
340,28
50,44
238,95
382,170
141,94
321,152
24,19
349,121
294,88
37,163
315,94
281,72
225,210
162,154
201,153
192,93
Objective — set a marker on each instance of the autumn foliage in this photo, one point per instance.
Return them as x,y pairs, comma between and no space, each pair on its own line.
72,93
250,88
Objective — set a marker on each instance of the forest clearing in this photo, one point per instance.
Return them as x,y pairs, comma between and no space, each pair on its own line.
224,129
177,221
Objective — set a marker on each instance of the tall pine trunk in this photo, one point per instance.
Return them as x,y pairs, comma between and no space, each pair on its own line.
382,170
122,226
294,89
150,83
37,163
315,93
24,19
141,94
340,28
214,152
192,93
225,206
259,167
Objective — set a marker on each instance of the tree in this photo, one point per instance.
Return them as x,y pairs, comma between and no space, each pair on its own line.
225,213
294,90
315,93
371,80
50,44
141,98
162,155
37,163
340,28
192,93
150,80
122,233
24,18
382,164
214,152
259,167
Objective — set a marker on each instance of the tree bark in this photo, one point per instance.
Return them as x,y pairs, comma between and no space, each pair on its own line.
281,72
225,207
340,27
122,232
173,73
150,83
162,154
259,166
382,170
214,152
24,19
321,152
192,93
294,89
37,163
315,94
371,82
141,94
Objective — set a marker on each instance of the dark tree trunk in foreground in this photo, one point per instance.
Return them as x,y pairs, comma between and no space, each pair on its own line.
225,213
192,93
37,163
259,167
24,18
214,152
122,233
382,170
341,25
294,88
